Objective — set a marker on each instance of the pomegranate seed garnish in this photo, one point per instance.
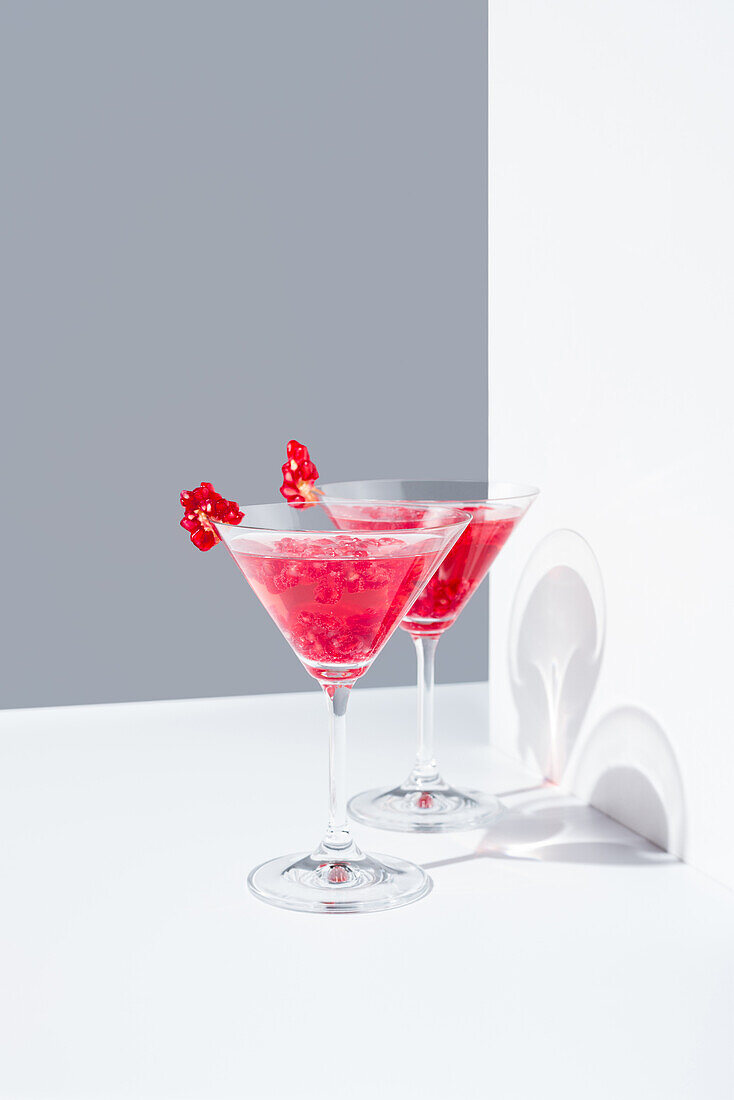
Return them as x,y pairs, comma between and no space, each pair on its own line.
201,505
299,475
424,801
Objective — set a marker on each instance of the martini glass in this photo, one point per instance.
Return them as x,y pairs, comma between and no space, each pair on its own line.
425,802
337,594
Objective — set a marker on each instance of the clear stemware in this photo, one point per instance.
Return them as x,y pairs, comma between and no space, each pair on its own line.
337,593
425,802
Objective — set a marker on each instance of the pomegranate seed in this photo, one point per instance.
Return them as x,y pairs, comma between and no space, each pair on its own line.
202,504
299,475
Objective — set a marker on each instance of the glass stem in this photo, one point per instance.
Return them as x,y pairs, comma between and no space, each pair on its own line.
338,839
425,771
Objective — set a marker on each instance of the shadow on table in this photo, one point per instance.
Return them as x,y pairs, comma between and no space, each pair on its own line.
548,828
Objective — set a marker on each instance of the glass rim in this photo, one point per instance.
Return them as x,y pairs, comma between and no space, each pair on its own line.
460,518
501,494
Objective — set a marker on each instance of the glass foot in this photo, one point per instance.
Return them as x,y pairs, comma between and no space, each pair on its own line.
315,883
435,808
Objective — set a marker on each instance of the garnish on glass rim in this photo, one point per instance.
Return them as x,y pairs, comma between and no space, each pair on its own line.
299,475
202,504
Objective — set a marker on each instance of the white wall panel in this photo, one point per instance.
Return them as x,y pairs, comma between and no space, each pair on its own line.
611,289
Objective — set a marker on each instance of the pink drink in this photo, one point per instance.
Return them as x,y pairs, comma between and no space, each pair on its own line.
463,569
337,599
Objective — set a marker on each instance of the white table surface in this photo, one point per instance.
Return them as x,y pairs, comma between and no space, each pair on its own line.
560,956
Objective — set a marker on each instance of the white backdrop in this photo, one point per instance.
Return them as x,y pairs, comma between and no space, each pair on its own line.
612,236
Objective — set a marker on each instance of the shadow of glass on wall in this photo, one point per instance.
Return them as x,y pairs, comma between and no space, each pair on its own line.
626,768
556,646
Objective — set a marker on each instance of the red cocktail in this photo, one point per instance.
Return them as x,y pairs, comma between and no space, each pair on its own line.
425,802
337,600
462,570
337,593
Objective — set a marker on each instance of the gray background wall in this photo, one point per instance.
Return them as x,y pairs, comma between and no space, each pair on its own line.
223,225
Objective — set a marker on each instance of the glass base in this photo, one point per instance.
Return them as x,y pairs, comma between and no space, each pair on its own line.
315,883
433,808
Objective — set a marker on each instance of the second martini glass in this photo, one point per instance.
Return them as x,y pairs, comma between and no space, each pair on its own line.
425,802
337,593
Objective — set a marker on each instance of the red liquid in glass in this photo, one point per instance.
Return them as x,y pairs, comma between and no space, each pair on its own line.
337,600
462,570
